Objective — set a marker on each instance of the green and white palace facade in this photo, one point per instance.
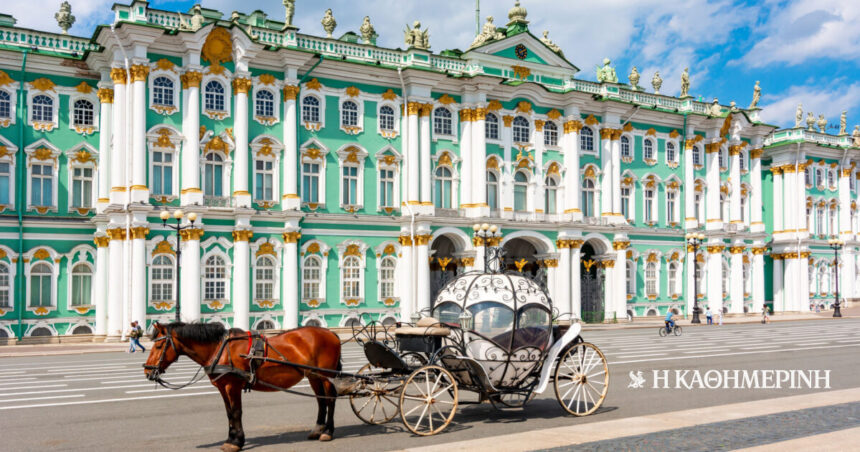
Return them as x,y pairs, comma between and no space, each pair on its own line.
335,181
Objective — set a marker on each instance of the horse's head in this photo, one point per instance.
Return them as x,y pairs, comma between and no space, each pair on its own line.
163,353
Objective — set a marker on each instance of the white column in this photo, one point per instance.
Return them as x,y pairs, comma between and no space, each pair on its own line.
756,224
615,143
712,194
506,191
792,286
139,189
563,300
101,286
406,277
241,279
690,221
690,264
715,277
190,268
758,278
778,194
790,198
115,277
291,200
846,273
735,176
241,195
190,155
539,186
138,274
778,289
105,150
466,173
804,282
736,283
290,280
619,281
607,173
412,155
570,149
479,164
426,168
423,274
845,203
118,154
575,279
480,249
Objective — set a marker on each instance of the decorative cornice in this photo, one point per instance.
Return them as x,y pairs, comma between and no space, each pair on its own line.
737,249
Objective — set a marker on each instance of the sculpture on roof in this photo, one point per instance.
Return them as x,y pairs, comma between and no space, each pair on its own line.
196,21
368,33
756,95
656,82
517,14
489,32
810,121
716,109
606,73
685,82
856,136
414,37
798,116
552,46
843,123
634,78
822,124
290,7
328,23
64,17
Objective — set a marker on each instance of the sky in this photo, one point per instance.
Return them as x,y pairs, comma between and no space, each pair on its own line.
800,50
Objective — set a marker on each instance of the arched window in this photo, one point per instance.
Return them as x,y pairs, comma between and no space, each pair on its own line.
807,176
834,230
672,278
491,126
386,277
265,325
214,279
351,278
651,279
313,322
349,114
697,156
311,278
264,279
586,139
819,177
43,109
521,185
82,283
83,113
442,121
310,109
550,134
631,279
5,287
213,175
625,148
5,105
162,278
492,190
213,96
162,92
551,195
386,118
588,197
670,152
521,130
444,184
264,103
648,150
40,285
831,179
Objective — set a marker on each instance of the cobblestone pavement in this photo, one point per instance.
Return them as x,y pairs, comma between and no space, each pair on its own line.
737,434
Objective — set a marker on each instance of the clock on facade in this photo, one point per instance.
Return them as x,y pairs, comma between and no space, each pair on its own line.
522,51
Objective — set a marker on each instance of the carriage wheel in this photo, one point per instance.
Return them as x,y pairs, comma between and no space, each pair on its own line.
428,400
377,403
581,379
413,360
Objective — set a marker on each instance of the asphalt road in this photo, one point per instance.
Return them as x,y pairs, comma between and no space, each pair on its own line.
103,402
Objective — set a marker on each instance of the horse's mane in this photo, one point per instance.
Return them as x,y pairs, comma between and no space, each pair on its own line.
197,332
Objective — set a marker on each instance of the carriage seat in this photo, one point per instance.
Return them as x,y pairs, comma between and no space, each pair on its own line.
427,326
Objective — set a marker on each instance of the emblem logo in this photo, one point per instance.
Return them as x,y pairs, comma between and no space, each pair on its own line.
521,51
636,380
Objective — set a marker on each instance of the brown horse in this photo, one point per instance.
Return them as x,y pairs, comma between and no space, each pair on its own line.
211,345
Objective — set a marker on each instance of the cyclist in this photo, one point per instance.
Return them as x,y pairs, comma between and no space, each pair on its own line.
669,322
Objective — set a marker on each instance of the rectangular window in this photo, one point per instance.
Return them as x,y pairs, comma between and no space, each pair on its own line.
310,182
162,173
386,188
625,202
41,189
81,289
670,207
5,183
649,205
350,185
698,207
264,180
82,187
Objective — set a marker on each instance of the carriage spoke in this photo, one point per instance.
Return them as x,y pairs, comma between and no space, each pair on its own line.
411,411
421,418
442,390
574,396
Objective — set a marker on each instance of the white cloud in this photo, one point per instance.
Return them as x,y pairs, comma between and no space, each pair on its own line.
39,14
827,99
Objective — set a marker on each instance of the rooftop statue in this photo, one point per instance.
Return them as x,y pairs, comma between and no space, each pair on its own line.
634,78
716,109
656,82
685,82
798,116
733,106
856,136
810,121
328,23
517,14
606,73
64,17
843,123
552,46
489,32
290,7
196,21
368,33
756,95
414,37
822,124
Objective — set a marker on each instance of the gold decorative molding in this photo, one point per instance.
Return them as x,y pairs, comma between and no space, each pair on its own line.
508,120
426,110
164,247
352,250
737,249
5,79
139,72
524,107
553,114
116,233
413,108
352,91
165,65
218,47
266,79
466,115
139,232
539,125
715,249
313,84
572,126
241,85
119,76
191,234
446,100
620,245
590,120
101,241
42,84
389,95
576,243
105,95
756,153
290,92
191,79
404,240
291,237
242,235
84,88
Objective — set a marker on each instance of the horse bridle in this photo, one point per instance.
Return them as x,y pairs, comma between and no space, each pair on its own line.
156,371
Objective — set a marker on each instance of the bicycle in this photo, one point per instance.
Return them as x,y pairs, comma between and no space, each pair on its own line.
676,330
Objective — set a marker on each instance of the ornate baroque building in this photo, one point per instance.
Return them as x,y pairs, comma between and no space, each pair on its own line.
335,181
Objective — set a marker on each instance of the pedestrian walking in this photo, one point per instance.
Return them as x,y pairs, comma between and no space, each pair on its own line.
764,315
134,337
709,315
720,313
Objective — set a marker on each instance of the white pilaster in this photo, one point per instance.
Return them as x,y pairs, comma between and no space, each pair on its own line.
690,221
778,289
778,199
575,279
241,278
803,278
756,223
479,166
715,276
735,176
190,154
607,173
570,149
845,203
406,278
290,281
119,129
291,200
847,271
426,167
712,194
466,173
138,274
619,280
563,300
115,277
506,192
190,268
690,276
423,273
413,164
615,144
736,283
790,200
758,278
538,178
139,189
101,285
106,96
241,195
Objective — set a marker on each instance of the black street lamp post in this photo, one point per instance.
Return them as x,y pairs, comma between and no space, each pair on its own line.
695,240
178,214
490,235
836,245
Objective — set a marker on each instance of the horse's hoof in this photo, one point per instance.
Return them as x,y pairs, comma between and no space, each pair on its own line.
325,437
227,447
316,432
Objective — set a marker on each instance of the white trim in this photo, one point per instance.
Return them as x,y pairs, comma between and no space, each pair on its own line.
276,275
395,106
93,99
321,161
12,90
308,316
320,96
224,78
360,155
452,108
150,247
55,109
274,89
176,140
54,161
171,74
275,157
359,125
227,163
55,272
394,166
323,258
217,247
595,141
362,261
70,170
11,158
